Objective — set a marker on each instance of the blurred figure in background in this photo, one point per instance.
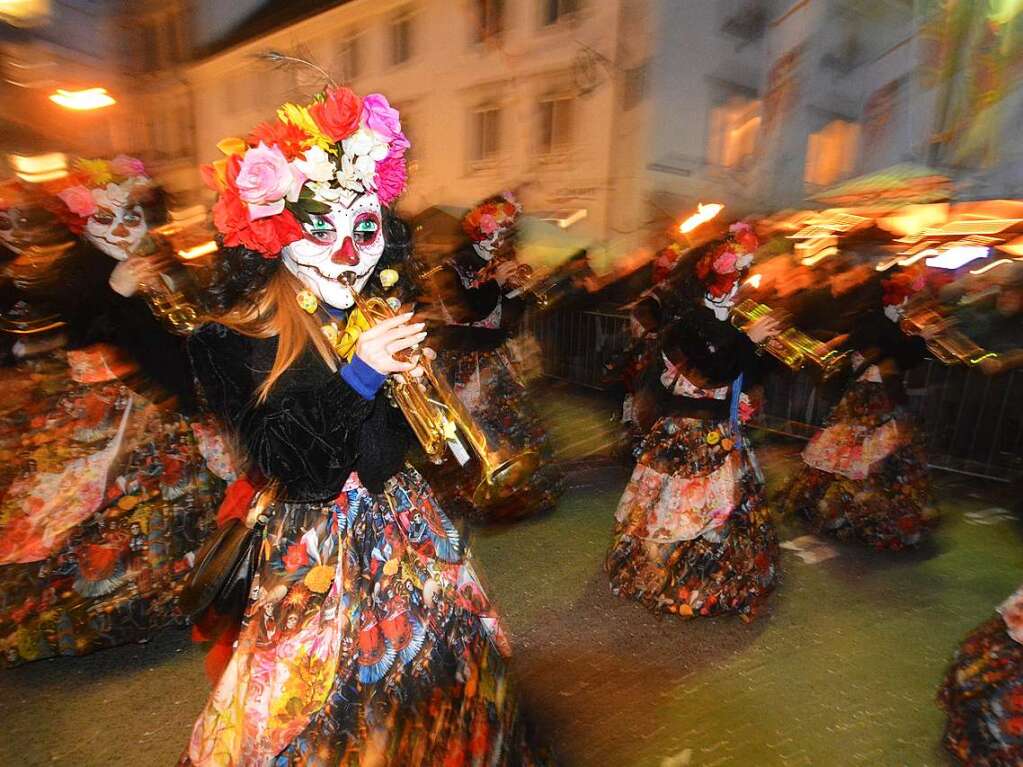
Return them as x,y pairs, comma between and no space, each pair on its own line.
692,532
865,474
113,493
478,295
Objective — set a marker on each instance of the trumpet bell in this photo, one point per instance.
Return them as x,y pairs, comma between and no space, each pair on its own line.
503,480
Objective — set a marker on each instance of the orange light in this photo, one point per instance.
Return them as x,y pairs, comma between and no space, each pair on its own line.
199,250
703,214
754,280
83,101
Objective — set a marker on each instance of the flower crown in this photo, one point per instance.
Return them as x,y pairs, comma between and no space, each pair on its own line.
723,266
900,286
94,183
333,150
492,215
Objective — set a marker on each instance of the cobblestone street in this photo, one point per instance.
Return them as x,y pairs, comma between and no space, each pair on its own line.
841,670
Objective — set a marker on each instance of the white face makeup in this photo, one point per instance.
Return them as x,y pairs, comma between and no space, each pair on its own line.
721,306
347,240
488,248
117,231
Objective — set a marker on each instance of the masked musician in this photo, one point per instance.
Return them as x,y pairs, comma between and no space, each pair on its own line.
865,473
982,693
692,533
358,607
478,294
109,453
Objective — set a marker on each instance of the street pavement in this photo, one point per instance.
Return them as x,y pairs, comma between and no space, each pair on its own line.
841,670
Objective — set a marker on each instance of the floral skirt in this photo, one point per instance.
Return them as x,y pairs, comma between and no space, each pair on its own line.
865,474
692,532
495,394
983,697
106,500
367,640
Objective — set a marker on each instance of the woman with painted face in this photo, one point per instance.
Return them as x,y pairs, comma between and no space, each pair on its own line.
479,300
692,535
367,638
110,494
112,206
864,475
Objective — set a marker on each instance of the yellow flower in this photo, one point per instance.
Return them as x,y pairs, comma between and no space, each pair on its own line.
713,437
231,146
299,116
318,579
96,172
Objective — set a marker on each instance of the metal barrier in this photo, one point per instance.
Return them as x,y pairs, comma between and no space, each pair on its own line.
973,422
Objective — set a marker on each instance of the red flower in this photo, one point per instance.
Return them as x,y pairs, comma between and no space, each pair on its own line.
287,137
1013,726
296,557
338,114
265,235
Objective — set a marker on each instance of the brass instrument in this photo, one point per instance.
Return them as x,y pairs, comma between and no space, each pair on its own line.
948,345
168,299
523,274
440,421
792,347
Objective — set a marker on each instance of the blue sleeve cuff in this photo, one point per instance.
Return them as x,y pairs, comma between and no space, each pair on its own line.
361,377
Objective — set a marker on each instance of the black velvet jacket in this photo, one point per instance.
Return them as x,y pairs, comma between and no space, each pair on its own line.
96,312
468,305
882,343
312,431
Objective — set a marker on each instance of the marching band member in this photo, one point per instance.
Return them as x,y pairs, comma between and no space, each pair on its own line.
865,473
483,307
112,492
367,638
692,532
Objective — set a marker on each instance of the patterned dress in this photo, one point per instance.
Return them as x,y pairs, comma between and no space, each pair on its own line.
106,497
865,473
692,534
983,692
367,638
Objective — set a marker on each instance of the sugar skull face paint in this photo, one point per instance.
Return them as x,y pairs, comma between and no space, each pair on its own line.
345,240
117,230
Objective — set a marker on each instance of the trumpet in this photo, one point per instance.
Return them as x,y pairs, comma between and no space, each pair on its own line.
167,298
441,422
523,274
792,347
948,345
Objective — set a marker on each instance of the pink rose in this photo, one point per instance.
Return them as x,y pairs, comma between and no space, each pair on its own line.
488,224
390,179
725,262
381,118
123,165
78,200
264,180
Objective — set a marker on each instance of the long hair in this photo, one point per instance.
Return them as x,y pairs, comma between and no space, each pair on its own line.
255,296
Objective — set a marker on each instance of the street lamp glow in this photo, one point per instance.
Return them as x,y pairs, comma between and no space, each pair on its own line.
82,101
957,256
703,214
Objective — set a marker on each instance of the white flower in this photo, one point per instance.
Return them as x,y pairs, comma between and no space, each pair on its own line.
317,165
353,173
366,168
365,142
113,196
324,191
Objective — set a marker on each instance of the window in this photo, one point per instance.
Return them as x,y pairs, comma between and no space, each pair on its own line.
489,20
401,38
554,11
635,86
831,152
734,127
349,59
556,115
485,134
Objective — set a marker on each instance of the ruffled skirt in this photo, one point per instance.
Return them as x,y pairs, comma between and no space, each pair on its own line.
865,474
491,386
983,698
367,640
108,499
692,532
